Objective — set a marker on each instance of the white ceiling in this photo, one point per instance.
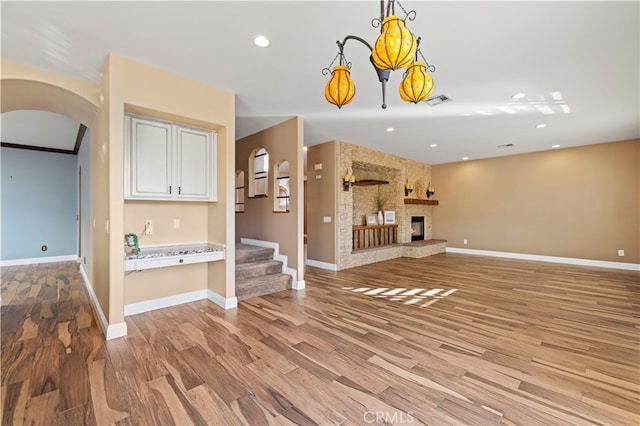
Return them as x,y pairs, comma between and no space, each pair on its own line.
578,62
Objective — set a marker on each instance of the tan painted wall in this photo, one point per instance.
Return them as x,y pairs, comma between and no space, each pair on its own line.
193,218
137,285
24,87
321,203
130,86
578,202
138,88
283,141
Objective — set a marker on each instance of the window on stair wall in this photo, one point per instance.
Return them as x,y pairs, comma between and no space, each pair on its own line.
258,173
239,191
282,187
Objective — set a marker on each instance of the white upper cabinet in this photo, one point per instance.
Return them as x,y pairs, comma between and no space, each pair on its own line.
166,161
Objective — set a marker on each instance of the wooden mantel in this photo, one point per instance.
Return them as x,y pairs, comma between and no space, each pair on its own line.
421,201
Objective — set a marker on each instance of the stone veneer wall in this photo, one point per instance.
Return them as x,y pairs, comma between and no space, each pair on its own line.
356,203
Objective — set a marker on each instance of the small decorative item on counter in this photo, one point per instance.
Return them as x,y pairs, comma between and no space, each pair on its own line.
131,243
430,190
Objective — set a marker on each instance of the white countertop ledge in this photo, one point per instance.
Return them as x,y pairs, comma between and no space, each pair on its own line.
175,255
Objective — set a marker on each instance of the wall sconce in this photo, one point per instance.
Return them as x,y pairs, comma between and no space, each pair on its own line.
348,180
430,190
408,188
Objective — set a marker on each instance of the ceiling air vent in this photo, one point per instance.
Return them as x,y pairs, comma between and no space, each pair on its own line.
437,100
506,145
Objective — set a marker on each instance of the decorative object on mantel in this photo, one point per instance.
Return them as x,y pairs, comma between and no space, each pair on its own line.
408,188
389,217
430,190
348,180
395,48
380,203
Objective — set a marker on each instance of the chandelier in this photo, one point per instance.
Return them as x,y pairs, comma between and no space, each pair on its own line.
395,48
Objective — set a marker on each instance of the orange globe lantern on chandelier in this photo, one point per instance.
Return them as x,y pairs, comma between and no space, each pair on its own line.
395,48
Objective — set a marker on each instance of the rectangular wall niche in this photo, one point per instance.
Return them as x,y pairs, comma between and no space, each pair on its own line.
417,228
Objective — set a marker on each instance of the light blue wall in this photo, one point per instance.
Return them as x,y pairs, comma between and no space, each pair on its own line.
38,204
84,163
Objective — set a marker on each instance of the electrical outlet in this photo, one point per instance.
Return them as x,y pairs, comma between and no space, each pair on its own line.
148,227
621,253
464,242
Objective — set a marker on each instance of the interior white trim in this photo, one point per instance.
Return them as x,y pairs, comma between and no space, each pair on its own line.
297,285
224,302
36,260
110,331
116,330
163,302
322,265
552,259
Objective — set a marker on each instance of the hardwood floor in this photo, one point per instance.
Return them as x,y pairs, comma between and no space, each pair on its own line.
448,339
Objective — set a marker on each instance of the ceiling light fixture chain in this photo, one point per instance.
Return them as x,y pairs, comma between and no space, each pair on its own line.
395,48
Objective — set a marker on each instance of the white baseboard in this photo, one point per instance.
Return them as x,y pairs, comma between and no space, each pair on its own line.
178,299
322,265
163,302
224,302
35,260
298,285
116,330
551,259
110,331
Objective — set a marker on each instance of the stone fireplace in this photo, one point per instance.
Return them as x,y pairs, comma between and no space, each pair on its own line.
417,228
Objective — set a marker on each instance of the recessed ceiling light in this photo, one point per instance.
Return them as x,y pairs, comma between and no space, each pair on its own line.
555,146
261,41
390,129
518,96
465,158
433,145
541,126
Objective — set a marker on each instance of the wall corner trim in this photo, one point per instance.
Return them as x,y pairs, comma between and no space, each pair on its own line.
110,331
552,259
223,302
322,265
298,285
116,330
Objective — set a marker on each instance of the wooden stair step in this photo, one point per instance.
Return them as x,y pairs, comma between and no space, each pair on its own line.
262,285
246,253
254,269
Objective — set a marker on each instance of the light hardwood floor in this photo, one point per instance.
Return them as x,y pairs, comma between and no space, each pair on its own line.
448,339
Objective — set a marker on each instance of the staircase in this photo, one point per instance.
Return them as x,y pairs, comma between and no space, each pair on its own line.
257,273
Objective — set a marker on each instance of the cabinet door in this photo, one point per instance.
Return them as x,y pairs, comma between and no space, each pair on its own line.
151,167
195,150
